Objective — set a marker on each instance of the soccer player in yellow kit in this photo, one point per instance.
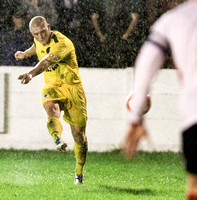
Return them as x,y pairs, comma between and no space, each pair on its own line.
62,90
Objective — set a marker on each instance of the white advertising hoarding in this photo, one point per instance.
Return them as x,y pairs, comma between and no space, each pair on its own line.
2,102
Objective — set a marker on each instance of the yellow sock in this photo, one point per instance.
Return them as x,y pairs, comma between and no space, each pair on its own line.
55,127
81,155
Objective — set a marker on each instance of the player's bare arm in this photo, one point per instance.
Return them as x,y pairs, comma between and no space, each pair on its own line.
38,69
134,17
25,54
153,61
96,26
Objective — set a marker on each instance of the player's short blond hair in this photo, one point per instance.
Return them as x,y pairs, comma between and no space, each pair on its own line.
37,21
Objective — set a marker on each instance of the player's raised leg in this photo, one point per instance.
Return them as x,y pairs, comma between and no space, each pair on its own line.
80,150
192,184
189,151
54,125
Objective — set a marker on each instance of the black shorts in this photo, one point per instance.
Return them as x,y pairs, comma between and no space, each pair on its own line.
190,149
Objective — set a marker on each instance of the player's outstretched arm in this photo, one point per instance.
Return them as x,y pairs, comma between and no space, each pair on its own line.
133,23
38,69
96,26
25,54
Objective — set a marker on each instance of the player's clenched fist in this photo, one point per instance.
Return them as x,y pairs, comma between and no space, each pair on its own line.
19,55
25,78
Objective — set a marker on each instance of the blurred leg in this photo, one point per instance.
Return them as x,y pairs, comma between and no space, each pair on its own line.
192,187
190,152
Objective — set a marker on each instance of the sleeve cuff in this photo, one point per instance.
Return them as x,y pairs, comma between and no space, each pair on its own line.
134,119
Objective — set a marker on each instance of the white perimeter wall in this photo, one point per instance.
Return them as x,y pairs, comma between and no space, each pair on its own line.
106,90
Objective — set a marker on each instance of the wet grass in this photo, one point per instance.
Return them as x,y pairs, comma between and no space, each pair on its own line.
35,175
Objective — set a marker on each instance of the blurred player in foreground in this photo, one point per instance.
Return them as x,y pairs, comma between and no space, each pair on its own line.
62,89
177,30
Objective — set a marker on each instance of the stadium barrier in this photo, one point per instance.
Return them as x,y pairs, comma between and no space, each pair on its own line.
106,91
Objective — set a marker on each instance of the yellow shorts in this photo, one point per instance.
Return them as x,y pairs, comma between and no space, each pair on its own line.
73,99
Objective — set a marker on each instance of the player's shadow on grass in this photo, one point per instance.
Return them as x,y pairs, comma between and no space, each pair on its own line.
144,191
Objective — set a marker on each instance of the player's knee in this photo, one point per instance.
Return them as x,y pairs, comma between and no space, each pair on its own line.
52,109
53,112
190,149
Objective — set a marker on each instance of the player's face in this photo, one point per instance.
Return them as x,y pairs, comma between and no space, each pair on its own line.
41,33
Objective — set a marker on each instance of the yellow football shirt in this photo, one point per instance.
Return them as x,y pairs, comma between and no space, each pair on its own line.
61,51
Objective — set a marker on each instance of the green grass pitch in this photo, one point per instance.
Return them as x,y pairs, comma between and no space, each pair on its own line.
49,175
